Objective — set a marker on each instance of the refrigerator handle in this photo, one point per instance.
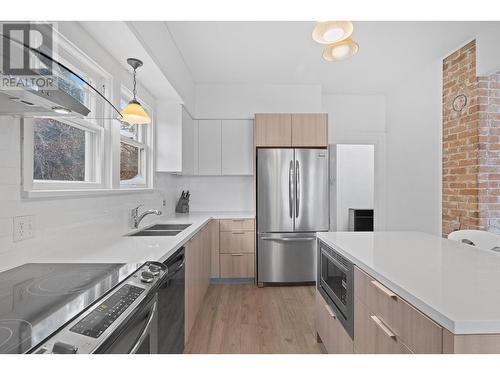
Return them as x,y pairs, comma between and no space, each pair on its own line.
290,189
297,189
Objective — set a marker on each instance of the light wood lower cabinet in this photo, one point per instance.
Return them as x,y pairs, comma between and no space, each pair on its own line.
331,332
411,327
197,271
237,265
237,248
214,233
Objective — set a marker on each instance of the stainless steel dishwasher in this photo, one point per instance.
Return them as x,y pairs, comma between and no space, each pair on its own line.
171,306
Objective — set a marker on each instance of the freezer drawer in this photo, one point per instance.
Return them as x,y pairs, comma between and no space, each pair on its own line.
286,257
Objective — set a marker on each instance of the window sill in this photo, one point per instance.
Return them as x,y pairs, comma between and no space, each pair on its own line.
31,194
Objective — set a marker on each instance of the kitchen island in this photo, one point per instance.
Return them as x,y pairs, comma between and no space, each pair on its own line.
456,287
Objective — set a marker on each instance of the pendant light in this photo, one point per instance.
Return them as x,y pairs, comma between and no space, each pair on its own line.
341,50
332,31
133,113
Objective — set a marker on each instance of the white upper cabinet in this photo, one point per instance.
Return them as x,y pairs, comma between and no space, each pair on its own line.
169,137
237,147
209,147
189,144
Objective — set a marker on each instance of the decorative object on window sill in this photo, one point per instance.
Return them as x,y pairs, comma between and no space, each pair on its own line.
183,203
337,36
459,102
133,113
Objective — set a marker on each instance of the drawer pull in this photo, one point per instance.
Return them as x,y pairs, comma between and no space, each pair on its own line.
330,311
238,220
237,232
237,255
386,291
383,327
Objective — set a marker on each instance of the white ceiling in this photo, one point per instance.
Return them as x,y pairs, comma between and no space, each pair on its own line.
283,52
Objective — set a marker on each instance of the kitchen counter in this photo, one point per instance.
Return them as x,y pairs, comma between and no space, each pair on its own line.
123,249
456,285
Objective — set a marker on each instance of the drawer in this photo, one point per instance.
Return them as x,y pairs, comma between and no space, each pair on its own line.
228,225
415,329
372,336
333,335
237,242
237,265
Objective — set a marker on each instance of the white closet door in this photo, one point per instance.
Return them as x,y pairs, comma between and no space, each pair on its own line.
237,147
209,147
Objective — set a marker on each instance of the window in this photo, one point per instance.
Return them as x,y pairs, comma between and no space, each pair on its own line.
134,149
76,156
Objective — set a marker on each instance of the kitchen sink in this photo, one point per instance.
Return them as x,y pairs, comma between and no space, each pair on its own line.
147,232
169,227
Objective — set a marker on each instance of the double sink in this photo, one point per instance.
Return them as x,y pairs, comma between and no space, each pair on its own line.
161,230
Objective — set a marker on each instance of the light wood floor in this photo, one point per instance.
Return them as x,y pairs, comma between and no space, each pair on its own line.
246,319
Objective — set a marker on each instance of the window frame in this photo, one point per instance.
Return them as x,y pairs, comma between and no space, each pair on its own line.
144,144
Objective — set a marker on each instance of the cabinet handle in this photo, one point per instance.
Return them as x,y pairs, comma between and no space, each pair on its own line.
238,220
237,232
385,290
237,255
383,327
330,311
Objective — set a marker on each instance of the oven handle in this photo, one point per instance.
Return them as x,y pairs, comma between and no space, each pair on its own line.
288,238
144,333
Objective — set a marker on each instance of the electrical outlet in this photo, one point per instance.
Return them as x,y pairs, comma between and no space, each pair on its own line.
24,227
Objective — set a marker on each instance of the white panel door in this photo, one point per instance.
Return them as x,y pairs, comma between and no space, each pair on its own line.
209,147
189,144
237,147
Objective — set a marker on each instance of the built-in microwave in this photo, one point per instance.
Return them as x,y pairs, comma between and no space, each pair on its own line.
336,284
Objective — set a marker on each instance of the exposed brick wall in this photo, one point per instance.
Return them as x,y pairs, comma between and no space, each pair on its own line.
489,152
460,142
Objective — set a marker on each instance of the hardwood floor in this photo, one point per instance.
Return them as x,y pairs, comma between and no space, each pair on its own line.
243,319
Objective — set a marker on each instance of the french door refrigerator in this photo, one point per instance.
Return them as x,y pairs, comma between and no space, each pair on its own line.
292,205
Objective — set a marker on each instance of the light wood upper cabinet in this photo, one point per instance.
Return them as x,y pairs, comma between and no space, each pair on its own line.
209,147
237,147
273,130
309,130
291,130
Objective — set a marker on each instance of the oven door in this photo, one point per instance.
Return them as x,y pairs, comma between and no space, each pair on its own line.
139,335
335,281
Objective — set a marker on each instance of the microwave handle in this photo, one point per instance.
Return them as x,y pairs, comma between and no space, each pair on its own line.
144,333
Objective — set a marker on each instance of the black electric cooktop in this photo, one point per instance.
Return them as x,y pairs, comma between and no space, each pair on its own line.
36,299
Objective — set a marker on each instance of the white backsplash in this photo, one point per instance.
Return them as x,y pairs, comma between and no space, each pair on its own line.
216,193
62,222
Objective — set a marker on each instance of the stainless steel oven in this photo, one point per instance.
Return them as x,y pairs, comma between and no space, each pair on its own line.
336,284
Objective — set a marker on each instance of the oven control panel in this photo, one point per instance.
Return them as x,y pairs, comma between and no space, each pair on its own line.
99,319
90,329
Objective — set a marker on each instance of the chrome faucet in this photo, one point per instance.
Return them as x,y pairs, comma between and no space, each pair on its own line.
136,218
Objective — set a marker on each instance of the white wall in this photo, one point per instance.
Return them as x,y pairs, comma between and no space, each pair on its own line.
355,181
218,193
243,101
414,152
66,222
487,51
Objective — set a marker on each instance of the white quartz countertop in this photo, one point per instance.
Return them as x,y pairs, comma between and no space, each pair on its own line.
123,249
456,285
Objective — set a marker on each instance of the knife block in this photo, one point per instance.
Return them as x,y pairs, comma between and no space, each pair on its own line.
182,206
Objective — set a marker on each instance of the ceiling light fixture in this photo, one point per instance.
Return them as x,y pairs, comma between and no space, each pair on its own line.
133,113
61,110
341,50
332,31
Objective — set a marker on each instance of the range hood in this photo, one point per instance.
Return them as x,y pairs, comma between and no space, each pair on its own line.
69,96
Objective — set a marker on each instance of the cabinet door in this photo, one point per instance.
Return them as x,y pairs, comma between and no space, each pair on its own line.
309,130
237,147
215,248
273,130
237,265
189,145
209,147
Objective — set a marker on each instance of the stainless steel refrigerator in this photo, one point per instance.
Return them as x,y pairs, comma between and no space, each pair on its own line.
292,205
